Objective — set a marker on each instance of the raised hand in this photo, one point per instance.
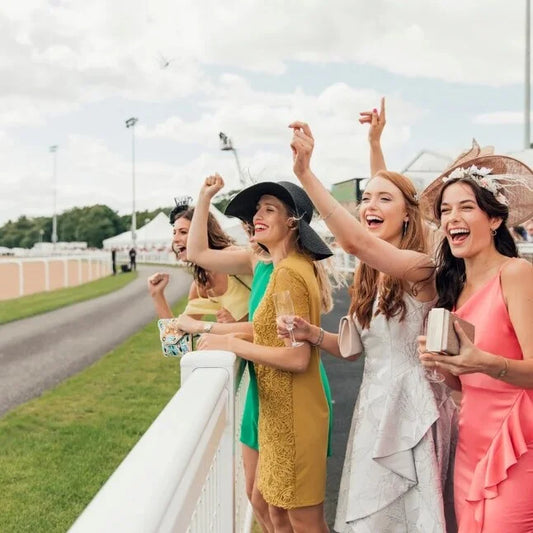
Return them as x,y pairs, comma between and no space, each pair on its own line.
376,120
157,283
302,145
212,185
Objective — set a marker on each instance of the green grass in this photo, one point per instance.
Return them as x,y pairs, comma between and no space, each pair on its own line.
42,302
58,450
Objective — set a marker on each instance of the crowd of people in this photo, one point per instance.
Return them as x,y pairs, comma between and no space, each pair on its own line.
414,461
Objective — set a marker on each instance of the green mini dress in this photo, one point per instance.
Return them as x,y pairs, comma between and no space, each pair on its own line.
250,415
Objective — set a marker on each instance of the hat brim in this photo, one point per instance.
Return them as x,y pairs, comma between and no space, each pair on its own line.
518,187
244,206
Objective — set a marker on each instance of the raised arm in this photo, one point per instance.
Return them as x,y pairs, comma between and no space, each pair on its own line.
234,260
352,237
377,123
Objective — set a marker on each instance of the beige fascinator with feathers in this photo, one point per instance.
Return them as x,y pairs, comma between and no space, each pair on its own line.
509,180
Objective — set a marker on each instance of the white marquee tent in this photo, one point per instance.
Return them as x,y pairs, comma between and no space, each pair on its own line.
157,234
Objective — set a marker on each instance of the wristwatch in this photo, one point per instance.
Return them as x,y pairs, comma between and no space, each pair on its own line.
208,326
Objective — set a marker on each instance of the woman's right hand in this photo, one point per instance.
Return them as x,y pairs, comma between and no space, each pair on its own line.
189,324
212,185
302,145
377,122
157,283
302,329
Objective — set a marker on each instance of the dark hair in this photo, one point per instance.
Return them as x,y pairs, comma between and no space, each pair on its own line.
450,276
217,238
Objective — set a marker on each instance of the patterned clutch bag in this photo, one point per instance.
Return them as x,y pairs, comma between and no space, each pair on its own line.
174,342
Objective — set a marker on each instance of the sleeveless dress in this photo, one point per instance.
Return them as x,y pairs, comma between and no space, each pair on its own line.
250,415
293,411
398,457
494,461
235,299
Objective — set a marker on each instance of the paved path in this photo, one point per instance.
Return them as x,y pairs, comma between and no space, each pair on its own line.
39,352
344,379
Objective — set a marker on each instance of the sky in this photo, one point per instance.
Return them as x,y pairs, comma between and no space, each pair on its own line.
73,71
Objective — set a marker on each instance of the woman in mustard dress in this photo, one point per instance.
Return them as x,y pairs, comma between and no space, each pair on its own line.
293,411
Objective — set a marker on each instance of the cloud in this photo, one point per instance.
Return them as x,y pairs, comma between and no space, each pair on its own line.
499,117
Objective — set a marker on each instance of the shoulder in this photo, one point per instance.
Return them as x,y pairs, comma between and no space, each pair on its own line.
517,278
516,269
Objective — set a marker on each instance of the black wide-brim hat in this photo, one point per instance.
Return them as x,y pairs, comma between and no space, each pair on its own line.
244,206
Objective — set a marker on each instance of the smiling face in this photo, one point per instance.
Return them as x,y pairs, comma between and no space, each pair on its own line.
466,226
271,221
180,234
383,210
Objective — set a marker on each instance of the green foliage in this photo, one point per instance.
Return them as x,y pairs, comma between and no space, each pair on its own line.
90,224
42,302
57,450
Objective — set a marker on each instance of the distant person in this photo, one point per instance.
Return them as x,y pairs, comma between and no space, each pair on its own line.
529,230
114,261
133,259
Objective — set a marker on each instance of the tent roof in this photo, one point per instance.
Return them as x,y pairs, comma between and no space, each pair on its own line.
158,232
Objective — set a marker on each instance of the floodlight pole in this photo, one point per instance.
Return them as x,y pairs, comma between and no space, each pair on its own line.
227,145
527,95
130,123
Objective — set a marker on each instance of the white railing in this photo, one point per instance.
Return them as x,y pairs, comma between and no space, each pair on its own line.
20,276
185,473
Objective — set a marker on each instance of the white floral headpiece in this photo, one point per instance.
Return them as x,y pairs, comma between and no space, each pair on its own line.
482,176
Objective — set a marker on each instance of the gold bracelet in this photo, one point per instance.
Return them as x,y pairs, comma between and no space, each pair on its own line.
503,372
330,213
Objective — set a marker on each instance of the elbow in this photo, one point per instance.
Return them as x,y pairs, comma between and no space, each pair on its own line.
300,364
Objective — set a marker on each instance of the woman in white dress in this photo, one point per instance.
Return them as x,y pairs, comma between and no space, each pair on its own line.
398,455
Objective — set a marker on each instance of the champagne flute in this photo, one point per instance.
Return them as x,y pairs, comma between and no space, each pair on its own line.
285,312
433,375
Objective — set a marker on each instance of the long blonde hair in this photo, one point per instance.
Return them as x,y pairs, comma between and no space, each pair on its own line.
365,287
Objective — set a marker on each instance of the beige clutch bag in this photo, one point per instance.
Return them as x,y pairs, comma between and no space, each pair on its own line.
441,336
349,340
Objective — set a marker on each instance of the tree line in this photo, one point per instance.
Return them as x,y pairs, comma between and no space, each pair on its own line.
90,224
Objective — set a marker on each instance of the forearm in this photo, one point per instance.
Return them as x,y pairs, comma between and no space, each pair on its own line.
283,358
161,306
328,343
516,372
347,229
198,241
377,160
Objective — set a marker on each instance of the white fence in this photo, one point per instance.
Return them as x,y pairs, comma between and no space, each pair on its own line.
185,473
28,275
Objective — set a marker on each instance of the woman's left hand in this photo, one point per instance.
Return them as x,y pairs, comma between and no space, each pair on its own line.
469,360
224,316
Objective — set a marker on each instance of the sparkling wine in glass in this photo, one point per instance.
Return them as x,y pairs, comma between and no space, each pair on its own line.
285,313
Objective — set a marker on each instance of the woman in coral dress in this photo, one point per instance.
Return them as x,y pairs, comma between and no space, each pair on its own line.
482,280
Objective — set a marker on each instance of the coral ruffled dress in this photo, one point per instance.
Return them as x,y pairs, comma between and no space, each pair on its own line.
494,457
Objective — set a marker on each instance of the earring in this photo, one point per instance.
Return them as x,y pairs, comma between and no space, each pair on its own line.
493,232
405,224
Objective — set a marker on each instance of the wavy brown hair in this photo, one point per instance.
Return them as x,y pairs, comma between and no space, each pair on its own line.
365,286
218,239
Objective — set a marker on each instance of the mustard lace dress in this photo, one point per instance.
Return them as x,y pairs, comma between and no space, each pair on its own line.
293,411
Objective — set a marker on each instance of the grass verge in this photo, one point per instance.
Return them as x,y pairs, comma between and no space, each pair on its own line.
58,450
42,302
